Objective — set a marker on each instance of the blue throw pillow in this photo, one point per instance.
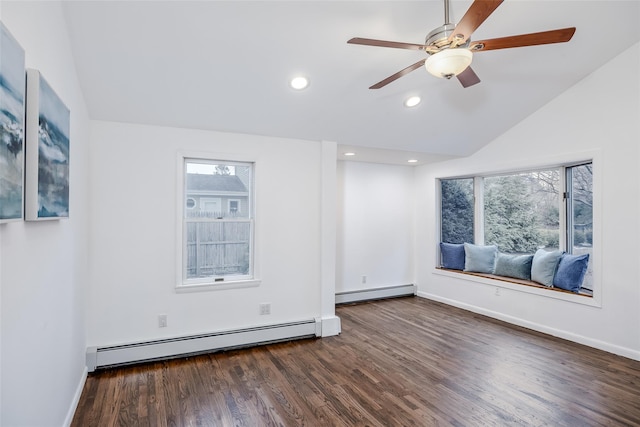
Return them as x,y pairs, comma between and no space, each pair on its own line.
544,266
479,259
518,266
571,271
452,255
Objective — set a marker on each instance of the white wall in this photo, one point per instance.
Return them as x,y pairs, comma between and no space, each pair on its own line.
133,244
44,265
601,115
375,226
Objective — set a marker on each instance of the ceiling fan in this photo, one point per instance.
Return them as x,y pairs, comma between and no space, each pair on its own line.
450,49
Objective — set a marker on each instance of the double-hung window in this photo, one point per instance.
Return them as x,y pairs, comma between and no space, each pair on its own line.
217,222
521,212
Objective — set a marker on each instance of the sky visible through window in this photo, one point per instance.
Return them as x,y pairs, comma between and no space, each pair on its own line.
207,168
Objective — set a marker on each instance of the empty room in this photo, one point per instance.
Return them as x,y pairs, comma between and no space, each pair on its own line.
315,213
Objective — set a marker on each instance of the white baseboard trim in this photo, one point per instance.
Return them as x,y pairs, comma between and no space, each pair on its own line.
580,339
76,399
101,357
375,293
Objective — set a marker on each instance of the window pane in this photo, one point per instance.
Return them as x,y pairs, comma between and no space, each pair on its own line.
218,219
457,210
580,210
521,211
217,249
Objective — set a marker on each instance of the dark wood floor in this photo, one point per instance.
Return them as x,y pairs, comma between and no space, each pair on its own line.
398,362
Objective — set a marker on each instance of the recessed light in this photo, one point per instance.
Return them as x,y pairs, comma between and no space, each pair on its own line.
350,153
299,83
412,161
412,101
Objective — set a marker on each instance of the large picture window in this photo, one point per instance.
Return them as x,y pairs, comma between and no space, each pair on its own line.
217,221
522,212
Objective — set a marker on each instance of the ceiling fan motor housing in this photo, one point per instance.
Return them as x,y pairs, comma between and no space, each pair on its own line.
439,37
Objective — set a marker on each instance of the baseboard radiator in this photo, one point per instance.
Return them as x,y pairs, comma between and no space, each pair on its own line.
104,357
375,293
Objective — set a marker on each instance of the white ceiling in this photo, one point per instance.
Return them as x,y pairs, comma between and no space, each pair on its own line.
225,66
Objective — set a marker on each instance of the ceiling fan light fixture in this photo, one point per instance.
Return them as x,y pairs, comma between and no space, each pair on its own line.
448,62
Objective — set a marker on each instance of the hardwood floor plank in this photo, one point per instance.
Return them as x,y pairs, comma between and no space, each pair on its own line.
398,362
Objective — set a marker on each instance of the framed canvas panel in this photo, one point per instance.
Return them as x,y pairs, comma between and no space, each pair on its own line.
12,99
47,152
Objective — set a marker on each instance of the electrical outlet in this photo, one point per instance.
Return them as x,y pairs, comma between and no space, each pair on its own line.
162,321
497,292
265,308
364,279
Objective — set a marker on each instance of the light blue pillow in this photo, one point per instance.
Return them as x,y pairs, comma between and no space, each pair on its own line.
571,271
452,255
544,266
479,259
518,266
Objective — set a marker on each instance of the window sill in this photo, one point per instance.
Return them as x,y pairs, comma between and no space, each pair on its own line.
218,286
519,285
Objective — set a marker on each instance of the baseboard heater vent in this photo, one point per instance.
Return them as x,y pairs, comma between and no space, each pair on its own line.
375,293
105,357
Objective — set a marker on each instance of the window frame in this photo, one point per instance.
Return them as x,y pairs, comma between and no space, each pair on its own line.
182,284
566,161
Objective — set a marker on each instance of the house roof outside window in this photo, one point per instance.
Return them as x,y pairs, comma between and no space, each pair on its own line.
210,183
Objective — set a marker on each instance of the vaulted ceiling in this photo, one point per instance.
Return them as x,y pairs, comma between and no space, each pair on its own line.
226,65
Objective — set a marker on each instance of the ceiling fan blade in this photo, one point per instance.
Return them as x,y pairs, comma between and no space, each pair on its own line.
385,43
532,39
399,74
468,77
477,13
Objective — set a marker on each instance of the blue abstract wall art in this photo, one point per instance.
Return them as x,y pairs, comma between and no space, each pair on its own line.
47,136
12,98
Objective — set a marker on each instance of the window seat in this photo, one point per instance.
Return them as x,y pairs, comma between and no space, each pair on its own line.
583,292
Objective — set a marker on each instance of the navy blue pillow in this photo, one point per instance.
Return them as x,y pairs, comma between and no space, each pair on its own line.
452,256
571,271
